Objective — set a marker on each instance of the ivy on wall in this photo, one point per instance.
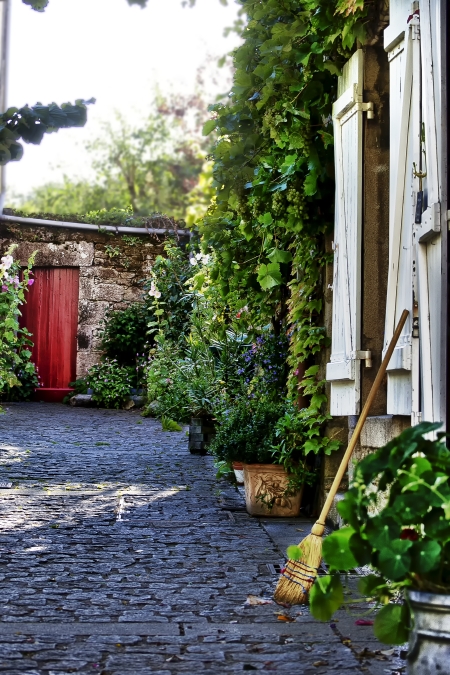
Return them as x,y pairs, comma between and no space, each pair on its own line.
274,168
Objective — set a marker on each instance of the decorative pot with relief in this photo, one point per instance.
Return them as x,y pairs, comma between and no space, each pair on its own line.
265,491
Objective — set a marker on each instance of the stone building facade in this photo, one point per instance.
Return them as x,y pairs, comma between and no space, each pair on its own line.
111,269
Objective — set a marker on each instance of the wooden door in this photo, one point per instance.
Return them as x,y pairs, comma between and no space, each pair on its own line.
51,315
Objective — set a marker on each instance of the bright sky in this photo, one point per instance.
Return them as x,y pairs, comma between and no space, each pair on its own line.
109,50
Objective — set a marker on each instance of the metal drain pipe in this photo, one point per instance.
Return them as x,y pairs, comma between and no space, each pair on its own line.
116,229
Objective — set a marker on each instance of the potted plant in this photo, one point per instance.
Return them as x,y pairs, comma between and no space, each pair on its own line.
247,434
398,513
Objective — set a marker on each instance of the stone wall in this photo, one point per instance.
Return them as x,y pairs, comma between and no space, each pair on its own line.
111,269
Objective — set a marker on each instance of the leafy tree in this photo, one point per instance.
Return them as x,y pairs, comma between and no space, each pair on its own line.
153,167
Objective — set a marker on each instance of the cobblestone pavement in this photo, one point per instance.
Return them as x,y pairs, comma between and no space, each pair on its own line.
118,556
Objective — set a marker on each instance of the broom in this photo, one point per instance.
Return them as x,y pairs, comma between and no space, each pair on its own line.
298,576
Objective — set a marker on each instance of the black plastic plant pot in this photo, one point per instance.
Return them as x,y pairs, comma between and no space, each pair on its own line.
201,433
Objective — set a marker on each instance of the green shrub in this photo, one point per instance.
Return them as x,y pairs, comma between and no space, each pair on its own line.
124,336
27,379
110,383
167,296
246,431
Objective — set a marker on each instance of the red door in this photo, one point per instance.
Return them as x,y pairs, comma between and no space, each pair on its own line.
51,315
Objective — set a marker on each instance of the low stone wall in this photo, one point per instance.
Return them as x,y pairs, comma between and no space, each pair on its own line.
111,269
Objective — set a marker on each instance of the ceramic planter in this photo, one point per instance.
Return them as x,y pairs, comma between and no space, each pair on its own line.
429,644
266,483
201,433
238,469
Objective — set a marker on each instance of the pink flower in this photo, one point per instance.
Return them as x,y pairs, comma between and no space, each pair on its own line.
30,282
4,288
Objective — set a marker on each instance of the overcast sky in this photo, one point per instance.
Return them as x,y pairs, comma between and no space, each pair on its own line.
109,50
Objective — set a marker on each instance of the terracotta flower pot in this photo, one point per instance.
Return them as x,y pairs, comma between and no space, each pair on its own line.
238,469
265,485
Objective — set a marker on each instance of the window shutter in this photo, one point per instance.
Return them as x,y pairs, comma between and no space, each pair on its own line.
401,52
414,256
343,370
427,233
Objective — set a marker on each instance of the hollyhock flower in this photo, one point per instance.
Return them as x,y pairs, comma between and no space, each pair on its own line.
30,282
4,288
153,292
7,261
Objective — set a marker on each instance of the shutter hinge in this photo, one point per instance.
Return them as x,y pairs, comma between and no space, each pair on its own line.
365,356
368,108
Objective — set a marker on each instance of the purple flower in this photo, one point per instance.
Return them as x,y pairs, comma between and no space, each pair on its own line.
4,288
30,282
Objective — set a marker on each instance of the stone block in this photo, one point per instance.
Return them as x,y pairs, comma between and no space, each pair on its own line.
132,294
91,313
108,292
85,360
81,401
69,254
379,430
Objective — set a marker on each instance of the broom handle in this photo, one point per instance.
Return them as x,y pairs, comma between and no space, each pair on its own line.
320,524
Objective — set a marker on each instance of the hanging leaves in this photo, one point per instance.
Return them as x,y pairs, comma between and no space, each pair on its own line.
30,125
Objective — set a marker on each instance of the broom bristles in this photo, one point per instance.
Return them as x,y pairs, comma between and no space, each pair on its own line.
298,576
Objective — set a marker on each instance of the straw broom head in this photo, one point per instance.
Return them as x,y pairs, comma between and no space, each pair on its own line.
298,576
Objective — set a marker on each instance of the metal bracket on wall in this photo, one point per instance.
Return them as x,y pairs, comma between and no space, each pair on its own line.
365,356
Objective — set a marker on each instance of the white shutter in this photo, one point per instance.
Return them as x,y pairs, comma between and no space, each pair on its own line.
414,257
401,212
427,234
343,370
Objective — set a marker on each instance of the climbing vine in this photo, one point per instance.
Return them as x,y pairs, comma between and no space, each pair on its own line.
274,168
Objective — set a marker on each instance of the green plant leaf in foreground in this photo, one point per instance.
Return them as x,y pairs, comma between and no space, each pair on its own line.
394,561
391,624
326,596
294,553
336,550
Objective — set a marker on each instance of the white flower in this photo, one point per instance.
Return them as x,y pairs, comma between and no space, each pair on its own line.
7,261
205,259
153,292
199,256
193,261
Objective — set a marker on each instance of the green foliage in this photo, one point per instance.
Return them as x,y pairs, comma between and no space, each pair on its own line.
14,343
110,383
167,294
170,425
124,334
392,624
273,171
246,431
23,369
166,384
408,541
30,125
326,596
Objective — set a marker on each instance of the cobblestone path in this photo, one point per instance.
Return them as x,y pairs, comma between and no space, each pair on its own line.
116,557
